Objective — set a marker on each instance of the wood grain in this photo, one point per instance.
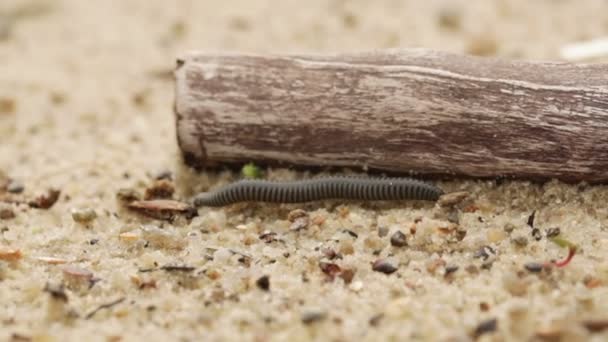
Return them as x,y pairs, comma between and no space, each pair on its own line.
414,110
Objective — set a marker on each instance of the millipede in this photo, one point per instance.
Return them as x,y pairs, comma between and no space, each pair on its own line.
310,190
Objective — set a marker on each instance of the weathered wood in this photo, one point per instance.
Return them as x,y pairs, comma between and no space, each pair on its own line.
400,110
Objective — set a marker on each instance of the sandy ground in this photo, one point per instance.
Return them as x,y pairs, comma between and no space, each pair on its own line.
85,107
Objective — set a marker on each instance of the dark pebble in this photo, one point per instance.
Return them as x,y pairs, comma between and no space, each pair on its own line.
313,316
450,269
534,267
486,327
15,187
398,239
263,283
536,234
383,266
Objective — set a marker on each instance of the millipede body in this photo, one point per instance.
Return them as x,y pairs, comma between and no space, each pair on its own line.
348,188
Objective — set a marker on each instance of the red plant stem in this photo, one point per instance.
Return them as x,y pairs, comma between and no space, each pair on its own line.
571,252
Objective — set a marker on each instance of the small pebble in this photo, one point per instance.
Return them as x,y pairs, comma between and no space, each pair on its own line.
263,283
450,269
398,239
127,195
84,215
382,231
46,200
531,219
508,227
450,19
486,327
597,325
162,188
495,235
164,174
11,255
15,187
7,105
356,286
520,241
553,232
482,45
6,214
313,316
222,255
534,267
299,223
536,234
296,214
162,238
383,266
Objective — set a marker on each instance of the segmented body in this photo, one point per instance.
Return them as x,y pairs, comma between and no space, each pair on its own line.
349,188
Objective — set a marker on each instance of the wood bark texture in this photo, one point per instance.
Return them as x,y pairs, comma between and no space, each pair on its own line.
403,111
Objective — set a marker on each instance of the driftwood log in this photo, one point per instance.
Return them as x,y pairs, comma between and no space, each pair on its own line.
404,111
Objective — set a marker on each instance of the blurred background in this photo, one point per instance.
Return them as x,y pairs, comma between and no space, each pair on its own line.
86,87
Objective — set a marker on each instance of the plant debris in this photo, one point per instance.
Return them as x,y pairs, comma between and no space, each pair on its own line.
162,209
177,268
45,201
104,306
398,239
162,238
52,260
383,266
263,283
485,327
572,248
251,171
11,255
